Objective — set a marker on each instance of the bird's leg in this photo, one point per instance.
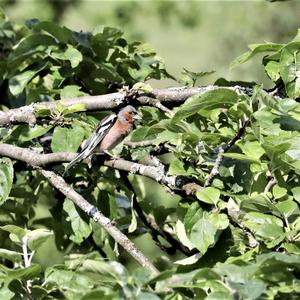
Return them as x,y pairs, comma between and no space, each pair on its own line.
111,155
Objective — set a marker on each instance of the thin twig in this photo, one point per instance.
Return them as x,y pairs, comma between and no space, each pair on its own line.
27,263
269,185
272,180
223,149
215,170
239,134
140,143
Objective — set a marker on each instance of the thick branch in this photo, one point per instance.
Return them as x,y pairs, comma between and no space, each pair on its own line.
59,183
27,114
32,157
37,159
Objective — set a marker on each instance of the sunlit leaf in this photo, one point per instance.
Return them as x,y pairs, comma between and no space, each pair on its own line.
6,178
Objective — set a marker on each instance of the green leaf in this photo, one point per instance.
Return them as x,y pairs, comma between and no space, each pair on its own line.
296,193
13,256
219,98
20,274
6,293
111,269
16,233
81,229
142,87
74,56
239,156
71,54
273,70
42,110
287,208
62,34
177,167
219,296
272,234
189,260
254,50
74,108
287,66
6,178
30,45
193,214
19,82
29,133
254,220
133,224
68,281
252,149
203,234
209,195
67,139
37,237
72,91
219,220
279,192
181,234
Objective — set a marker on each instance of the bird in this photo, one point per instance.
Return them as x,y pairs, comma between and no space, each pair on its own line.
107,134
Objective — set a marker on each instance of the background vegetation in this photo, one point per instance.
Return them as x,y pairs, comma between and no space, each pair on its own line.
239,235
197,35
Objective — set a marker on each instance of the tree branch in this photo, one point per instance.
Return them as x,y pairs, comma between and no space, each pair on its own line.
139,144
157,97
59,183
215,170
34,158
27,263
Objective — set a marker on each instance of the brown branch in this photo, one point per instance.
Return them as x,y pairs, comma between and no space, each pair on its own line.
59,183
27,114
239,134
215,170
155,173
34,158
140,143
37,159
272,180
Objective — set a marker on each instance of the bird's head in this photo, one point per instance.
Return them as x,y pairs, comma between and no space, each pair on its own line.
128,114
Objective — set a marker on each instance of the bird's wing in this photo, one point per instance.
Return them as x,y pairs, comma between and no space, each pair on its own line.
95,139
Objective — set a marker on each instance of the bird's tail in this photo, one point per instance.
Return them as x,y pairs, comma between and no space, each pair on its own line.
81,156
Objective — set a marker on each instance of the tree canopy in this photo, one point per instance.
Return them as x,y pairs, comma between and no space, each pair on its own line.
203,201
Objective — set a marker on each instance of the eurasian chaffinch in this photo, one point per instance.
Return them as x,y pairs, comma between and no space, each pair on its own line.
108,133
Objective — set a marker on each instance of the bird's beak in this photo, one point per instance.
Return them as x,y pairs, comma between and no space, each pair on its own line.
137,117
